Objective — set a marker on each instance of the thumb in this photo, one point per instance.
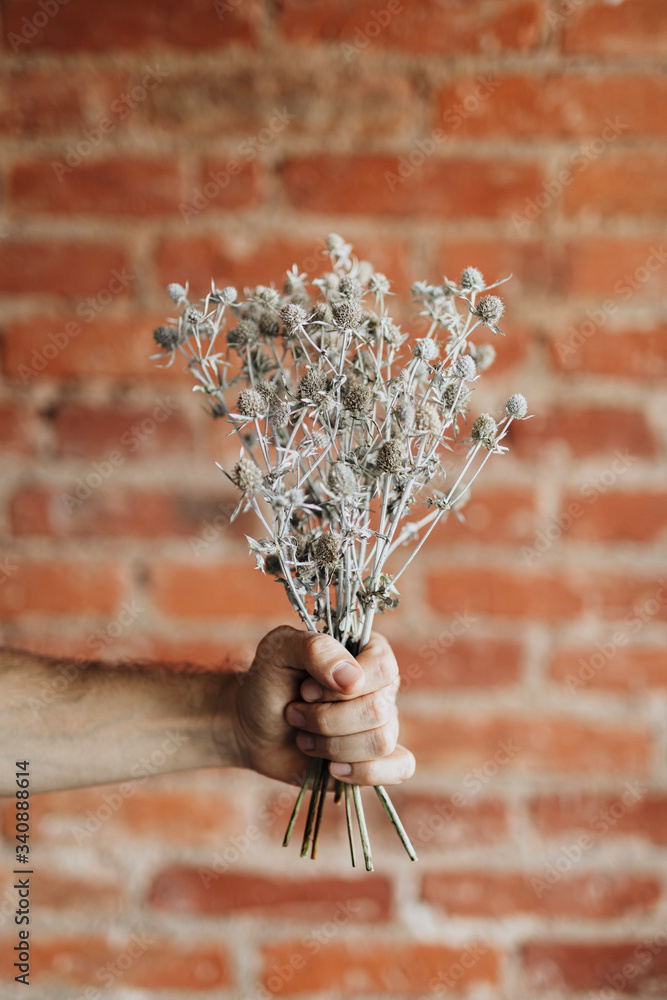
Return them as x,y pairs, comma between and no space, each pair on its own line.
319,655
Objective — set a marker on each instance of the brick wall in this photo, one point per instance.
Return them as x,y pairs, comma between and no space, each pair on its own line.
151,142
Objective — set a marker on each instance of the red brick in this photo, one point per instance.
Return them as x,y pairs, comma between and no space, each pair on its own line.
129,811
62,588
429,27
17,425
439,823
212,591
104,187
84,432
222,188
631,600
594,350
557,105
206,257
129,513
582,433
499,515
186,890
153,25
633,517
631,813
633,28
620,270
90,895
547,743
65,269
606,664
492,591
207,652
629,966
40,102
535,267
330,104
405,968
619,185
594,895
111,347
444,661
145,962
452,188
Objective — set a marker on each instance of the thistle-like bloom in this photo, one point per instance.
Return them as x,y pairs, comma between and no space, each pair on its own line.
167,337
490,310
390,457
176,292
472,280
313,384
427,419
464,367
326,550
349,287
426,349
378,284
484,355
347,314
485,431
342,480
292,316
251,403
516,406
358,399
246,475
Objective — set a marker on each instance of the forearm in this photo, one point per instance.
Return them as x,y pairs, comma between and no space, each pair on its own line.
90,724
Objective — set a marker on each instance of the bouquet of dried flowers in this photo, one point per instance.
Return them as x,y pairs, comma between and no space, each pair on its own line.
340,434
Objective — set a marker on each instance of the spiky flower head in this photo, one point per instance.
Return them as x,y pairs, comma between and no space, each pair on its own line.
251,403
455,398
267,296
517,406
194,316
349,287
390,457
485,430
342,479
472,280
326,550
268,324
242,335
358,399
167,337
426,349
490,309
313,383
392,335
427,419
292,315
347,314
247,476
464,367
484,355
404,411
280,415
228,295
335,243
378,283
176,292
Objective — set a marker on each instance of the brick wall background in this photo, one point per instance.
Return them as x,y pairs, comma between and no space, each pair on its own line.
549,163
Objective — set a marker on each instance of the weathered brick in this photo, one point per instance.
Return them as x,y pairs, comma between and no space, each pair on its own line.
59,268
62,587
633,28
115,435
445,661
214,592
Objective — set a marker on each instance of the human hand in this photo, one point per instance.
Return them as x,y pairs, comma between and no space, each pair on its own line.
306,696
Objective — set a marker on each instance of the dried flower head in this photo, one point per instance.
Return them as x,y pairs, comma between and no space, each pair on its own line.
485,431
342,479
427,419
349,287
404,411
292,316
390,457
326,550
268,324
272,565
392,335
313,383
347,314
251,403
484,355
267,296
176,292
426,349
167,337
357,399
472,280
517,406
490,309
378,284
464,367
242,335
228,295
194,316
280,415
335,243
455,397
247,476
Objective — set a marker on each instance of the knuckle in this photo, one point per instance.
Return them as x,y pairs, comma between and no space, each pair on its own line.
320,719
382,741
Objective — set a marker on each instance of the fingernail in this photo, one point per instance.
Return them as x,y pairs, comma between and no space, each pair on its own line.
305,741
295,717
341,770
311,691
346,674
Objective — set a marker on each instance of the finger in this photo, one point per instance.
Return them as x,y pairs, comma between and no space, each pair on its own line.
329,664
344,718
391,770
373,743
379,667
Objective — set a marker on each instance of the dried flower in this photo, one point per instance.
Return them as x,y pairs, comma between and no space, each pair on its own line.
228,295
390,457
167,337
347,313
358,399
464,367
472,280
378,284
313,384
490,310
484,355
292,316
349,287
242,335
268,324
326,550
485,431
176,292
425,349
247,476
342,479
427,419
251,403
517,406
404,411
